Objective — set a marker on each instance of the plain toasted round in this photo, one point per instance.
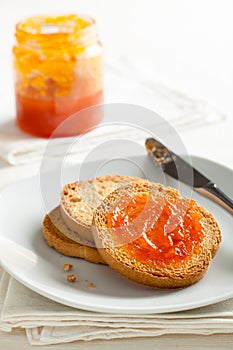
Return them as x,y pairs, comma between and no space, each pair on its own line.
81,198
55,233
188,273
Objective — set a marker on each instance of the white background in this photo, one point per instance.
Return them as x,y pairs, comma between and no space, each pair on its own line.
185,44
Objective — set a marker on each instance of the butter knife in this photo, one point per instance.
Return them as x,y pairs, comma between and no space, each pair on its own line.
171,163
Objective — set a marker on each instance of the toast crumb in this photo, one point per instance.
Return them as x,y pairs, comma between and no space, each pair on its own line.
91,284
67,267
71,278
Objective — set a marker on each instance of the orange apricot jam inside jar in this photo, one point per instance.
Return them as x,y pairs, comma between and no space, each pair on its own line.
58,68
158,233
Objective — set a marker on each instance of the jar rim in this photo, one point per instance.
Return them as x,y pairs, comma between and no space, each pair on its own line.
56,25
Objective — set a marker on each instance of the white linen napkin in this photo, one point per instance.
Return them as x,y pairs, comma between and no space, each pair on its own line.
125,84
47,322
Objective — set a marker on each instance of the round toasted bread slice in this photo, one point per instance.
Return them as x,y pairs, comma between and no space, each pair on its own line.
122,257
56,234
80,199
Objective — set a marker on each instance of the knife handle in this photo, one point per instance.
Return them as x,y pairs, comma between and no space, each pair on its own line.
212,191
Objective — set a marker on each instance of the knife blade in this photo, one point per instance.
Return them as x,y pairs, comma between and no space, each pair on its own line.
181,170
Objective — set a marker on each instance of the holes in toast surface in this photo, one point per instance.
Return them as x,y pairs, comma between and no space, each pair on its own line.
75,199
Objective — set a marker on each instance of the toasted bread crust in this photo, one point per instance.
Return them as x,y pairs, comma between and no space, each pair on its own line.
55,234
169,276
79,200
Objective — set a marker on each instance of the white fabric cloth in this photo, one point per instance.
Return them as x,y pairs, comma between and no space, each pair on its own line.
125,84
47,322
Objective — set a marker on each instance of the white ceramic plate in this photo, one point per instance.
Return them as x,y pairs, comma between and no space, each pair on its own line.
25,255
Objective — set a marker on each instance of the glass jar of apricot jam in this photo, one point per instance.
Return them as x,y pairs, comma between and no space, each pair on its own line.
58,68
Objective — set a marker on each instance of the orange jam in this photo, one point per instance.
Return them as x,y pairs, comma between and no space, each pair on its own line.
156,232
58,66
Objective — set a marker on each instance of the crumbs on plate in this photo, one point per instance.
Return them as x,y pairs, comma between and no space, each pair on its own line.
67,267
91,284
71,277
